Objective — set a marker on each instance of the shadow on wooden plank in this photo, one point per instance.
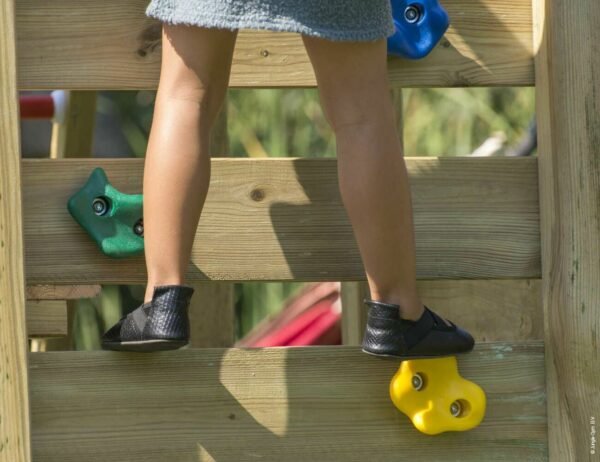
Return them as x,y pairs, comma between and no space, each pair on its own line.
276,404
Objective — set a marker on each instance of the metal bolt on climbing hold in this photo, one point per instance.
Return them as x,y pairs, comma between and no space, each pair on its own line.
455,408
138,228
412,14
417,381
100,206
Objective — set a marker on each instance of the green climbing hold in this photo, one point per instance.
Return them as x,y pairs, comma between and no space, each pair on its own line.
112,219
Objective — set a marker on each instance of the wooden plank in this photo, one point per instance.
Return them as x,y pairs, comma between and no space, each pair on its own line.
61,292
46,318
568,111
273,404
112,45
14,397
490,309
283,219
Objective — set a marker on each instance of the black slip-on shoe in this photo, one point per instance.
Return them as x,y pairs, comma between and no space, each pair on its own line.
388,335
160,324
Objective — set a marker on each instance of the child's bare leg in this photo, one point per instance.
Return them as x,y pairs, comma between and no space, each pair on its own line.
195,69
354,92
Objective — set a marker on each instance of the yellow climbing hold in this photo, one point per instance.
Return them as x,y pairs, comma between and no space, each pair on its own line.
435,397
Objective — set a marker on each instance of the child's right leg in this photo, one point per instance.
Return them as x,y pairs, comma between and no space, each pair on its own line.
194,78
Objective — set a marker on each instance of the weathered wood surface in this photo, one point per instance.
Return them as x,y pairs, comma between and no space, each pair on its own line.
354,311
72,137
277,404
61,292
568,114
14,397
46,318
490,309
86,45
283,219
212,307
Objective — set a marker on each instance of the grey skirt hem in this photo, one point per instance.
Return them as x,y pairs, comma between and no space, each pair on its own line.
197,18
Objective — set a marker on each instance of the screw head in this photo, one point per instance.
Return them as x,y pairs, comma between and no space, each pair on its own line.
412,14
456,408
100,206
138,228
417,381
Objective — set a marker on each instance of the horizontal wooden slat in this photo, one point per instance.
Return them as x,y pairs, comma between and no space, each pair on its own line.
283,219
490,309
46,318
74,44
275,404
61,292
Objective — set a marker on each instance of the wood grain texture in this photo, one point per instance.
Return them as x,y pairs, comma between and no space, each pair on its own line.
354,311
87,45
490,309
283,219
14,396
212,314
273,404
46,318
72,137
568,112
212,307
61,292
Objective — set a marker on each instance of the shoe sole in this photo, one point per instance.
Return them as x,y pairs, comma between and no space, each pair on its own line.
401,357
145,346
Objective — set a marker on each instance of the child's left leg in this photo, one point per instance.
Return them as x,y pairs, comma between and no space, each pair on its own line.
194,77
354,90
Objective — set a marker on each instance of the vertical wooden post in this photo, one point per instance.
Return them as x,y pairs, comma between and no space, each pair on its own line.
14,392
567,63
212,314
354,311
74,138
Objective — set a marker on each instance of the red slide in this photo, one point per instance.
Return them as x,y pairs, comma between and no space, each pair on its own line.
311,317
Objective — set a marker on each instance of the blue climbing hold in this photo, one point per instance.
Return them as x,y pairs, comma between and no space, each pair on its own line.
420,24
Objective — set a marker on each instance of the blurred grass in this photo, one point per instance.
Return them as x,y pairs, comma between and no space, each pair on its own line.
455,121
290,122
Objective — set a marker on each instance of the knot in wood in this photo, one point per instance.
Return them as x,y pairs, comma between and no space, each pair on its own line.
257,194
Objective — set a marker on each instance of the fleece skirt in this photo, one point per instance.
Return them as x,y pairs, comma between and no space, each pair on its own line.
331,19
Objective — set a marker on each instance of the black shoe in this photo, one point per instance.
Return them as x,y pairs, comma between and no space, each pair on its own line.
388,335
160,324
